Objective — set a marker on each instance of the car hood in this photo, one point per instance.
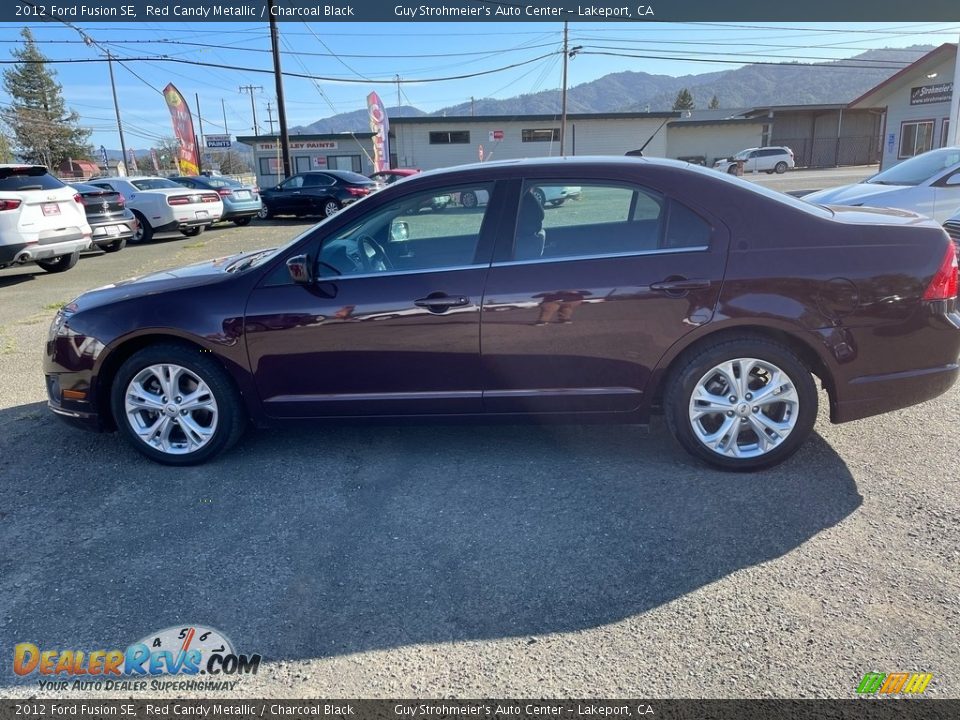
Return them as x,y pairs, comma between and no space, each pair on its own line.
202,273
856,194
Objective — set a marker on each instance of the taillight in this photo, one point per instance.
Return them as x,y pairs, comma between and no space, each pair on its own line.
78,199
225,192
9,205
121,201
358,191
178,200
945,281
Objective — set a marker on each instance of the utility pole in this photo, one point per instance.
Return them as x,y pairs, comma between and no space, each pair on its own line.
253,106
270,116
116,107
195,142
278,78
224,108
568,52
399,103
563,96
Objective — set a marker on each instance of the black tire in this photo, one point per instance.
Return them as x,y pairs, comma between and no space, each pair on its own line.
557,203
264,213
468,199
541,198
144,232
232,418
780,168
61,263
193,231
240,222
329,207
115,246
686,377
732,170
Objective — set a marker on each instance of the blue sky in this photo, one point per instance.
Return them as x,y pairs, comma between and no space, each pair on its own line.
374,53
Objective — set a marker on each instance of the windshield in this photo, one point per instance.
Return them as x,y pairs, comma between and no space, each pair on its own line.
155,184
918,169
742,155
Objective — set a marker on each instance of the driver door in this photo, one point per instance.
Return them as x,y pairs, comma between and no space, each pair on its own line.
390,324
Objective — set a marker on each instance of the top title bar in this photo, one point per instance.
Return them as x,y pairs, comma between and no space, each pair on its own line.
21,11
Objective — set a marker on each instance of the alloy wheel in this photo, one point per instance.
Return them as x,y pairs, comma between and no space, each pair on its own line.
743,408
171,409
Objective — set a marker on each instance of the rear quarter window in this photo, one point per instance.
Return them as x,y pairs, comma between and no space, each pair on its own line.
28,178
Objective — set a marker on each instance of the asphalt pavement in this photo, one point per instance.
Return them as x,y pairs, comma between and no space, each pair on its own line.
475,561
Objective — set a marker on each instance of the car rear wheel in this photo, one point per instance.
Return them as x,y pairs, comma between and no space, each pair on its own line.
193,231
468,199
143,233
176,405
780,168
115,246
240,222
732,170
538,194
329,207
60,264
742,405
264,213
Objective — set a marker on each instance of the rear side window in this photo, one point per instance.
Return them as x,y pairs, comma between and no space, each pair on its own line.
686,229
19,179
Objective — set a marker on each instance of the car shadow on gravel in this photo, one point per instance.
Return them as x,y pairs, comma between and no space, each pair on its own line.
312,542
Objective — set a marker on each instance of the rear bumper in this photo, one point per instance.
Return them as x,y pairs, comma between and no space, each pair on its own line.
876,394
125,229
31,252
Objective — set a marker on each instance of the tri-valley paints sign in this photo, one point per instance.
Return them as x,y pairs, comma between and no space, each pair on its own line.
302,145
929,94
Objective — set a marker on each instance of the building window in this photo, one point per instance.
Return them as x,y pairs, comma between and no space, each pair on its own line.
945,133
540,135
269,166
453,137
916,137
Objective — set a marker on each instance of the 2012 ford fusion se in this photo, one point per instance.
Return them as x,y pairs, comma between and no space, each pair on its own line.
664,288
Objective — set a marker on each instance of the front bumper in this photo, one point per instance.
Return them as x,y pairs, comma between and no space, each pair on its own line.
78,413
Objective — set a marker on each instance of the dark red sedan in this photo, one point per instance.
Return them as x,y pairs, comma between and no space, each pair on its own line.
665,288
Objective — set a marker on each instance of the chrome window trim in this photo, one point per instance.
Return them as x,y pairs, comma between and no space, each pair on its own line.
391,273
605,256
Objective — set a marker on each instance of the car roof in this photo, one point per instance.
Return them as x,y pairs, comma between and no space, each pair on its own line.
21,165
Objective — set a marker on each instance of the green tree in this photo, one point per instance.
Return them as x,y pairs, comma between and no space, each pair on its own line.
714,103
684,100
43,129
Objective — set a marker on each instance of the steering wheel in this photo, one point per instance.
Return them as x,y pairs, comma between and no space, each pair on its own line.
372,254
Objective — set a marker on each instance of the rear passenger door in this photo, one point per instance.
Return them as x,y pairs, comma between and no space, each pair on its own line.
582,300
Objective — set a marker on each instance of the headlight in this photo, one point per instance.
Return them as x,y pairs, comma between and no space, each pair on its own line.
59,320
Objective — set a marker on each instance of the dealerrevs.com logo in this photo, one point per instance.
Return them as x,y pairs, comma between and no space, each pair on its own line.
184,651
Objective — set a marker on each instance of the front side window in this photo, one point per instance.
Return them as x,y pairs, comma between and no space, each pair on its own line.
425,231
916,138
294,183
561,220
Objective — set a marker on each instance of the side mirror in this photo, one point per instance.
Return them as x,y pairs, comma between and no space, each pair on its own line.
399,231
300,269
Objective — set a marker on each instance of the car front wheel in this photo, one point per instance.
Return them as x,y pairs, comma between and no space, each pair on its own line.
60,264
264,212
176,405
193,231
742,405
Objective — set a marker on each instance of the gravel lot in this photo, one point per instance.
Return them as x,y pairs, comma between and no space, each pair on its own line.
475,561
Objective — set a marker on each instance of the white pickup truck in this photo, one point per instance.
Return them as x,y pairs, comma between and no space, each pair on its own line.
162,205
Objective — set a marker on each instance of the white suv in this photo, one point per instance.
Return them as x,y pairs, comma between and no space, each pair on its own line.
41,219
774,159
162,205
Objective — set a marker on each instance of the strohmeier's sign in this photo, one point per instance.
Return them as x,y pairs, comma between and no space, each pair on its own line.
929,94
302,145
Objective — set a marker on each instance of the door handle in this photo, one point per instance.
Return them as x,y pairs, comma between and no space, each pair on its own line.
679,285
438,303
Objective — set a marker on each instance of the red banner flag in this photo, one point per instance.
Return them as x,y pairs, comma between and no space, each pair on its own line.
183,129
380,126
